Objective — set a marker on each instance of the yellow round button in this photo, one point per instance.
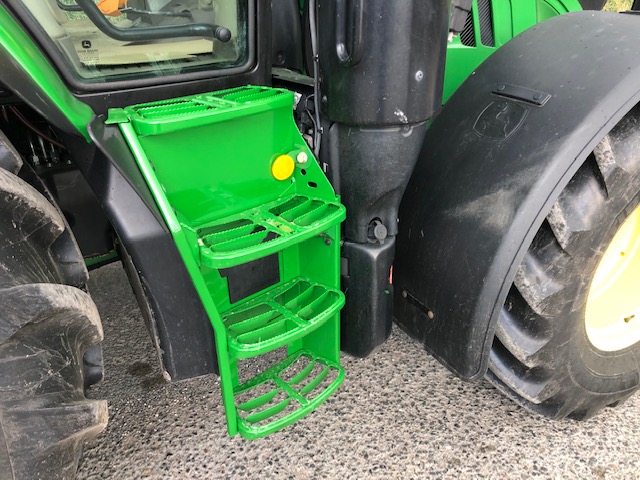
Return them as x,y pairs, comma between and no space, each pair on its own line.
283,167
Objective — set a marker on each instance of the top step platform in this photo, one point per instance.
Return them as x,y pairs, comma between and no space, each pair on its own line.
166,116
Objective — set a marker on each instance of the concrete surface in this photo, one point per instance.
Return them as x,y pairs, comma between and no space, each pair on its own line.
398,415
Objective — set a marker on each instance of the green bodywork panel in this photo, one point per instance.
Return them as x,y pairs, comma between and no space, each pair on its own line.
213,183
510,18
28,57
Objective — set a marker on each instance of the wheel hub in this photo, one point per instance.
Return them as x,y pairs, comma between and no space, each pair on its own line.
613,306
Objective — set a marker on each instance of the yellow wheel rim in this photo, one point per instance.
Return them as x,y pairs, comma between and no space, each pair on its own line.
613,305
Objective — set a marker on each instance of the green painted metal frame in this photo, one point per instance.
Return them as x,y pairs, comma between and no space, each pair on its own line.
207,174
28,57
246,341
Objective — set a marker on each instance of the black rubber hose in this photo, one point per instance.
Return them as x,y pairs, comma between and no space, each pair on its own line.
151,33
68,8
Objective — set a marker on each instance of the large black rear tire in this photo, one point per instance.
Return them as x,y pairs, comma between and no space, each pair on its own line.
47,324
542,356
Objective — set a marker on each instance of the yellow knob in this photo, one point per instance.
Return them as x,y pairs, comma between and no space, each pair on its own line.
283,167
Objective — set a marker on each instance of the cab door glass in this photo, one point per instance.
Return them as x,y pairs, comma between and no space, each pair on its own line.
115,40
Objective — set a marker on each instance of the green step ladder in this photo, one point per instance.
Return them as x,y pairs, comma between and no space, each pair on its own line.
240,190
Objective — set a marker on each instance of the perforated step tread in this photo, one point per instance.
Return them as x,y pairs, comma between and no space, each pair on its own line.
285,393
165,116
279,317
265,230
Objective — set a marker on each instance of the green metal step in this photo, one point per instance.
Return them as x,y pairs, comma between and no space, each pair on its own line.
265,230
208,160
285,393
279,317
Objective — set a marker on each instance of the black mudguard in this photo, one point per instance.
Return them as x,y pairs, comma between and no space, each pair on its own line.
493,163
179,326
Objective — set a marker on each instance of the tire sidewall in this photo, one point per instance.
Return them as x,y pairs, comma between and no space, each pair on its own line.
593,369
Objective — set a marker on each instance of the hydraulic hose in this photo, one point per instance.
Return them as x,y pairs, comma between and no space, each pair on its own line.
151,33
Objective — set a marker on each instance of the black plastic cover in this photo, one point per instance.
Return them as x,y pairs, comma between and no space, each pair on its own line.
367,316
176,318
286,31
382,70
374,166
81,208
382,61
490,169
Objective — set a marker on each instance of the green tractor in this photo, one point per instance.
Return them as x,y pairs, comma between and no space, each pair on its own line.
285,179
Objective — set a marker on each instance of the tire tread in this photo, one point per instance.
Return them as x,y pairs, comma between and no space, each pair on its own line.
524,361
46,326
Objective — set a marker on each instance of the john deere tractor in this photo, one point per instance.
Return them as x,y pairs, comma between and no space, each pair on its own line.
285,179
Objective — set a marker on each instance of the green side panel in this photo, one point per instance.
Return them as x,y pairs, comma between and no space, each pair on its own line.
208,161
26,56
508,19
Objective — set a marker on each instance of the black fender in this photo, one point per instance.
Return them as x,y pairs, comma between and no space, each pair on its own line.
492,165
177,321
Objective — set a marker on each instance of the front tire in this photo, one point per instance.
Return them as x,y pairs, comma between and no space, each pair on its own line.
544,354
46,326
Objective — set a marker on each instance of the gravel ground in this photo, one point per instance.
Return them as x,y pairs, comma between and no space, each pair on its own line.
398,415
